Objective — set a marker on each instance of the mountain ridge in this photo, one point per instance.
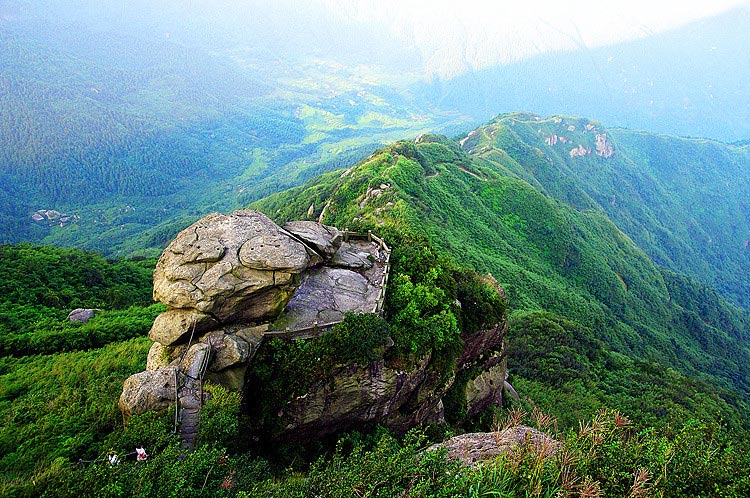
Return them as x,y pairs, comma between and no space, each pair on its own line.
546,254
654,187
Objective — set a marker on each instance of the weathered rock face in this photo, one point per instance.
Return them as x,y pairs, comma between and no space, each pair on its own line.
486,350
472,449
355,395
227,278
173,326
233,267
486,389
232,281
324,239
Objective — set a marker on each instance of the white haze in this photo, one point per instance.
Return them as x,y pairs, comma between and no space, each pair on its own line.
429,37
454,36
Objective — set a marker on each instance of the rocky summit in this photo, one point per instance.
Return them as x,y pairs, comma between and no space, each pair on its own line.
231,281
228,281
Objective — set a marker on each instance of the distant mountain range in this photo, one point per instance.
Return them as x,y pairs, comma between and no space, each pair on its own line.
561,214
691,81
128,136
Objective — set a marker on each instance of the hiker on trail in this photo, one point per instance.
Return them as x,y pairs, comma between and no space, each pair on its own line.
113,458
140,454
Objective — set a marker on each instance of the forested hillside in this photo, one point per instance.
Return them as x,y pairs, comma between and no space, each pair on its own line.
683,201
568,289
595,325
41,285
128,129
548,256
128,138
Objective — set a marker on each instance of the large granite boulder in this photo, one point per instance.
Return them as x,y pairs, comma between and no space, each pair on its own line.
149,390
225,278
240,266
324,239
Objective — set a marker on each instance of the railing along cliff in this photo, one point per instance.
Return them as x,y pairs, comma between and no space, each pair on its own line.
316,328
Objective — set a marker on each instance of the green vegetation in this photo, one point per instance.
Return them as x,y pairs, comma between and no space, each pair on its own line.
594,326
41,285
605,456
683,201
59,406
548,256
421,317
565,369
595,323
283,369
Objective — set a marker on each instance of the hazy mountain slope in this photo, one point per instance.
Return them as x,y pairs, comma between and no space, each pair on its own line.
683,201
128,131
132,124
691,81
546,254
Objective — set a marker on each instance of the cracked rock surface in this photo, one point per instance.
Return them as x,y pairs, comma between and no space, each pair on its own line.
228,277
240,266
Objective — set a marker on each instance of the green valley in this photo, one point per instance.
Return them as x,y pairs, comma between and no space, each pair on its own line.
595,325
272,245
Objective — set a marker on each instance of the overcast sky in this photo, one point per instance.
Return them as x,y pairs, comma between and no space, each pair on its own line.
453,36
448,37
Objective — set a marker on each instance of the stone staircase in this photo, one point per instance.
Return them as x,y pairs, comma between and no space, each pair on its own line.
190,394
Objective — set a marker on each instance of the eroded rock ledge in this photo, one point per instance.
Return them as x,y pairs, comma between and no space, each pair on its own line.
232,280
229,280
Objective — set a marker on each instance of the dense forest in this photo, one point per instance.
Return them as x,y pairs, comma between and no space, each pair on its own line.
618,259
130,134
140,136
633,367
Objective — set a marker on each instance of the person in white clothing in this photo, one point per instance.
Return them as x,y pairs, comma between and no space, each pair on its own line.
140,453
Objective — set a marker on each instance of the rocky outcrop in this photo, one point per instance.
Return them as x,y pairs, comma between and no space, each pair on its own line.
174,326
471,449
232,281
228,281
603,148
323,239
81,315
486,389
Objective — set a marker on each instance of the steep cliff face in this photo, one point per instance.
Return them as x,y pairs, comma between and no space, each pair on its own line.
235,282
297,394
398,398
